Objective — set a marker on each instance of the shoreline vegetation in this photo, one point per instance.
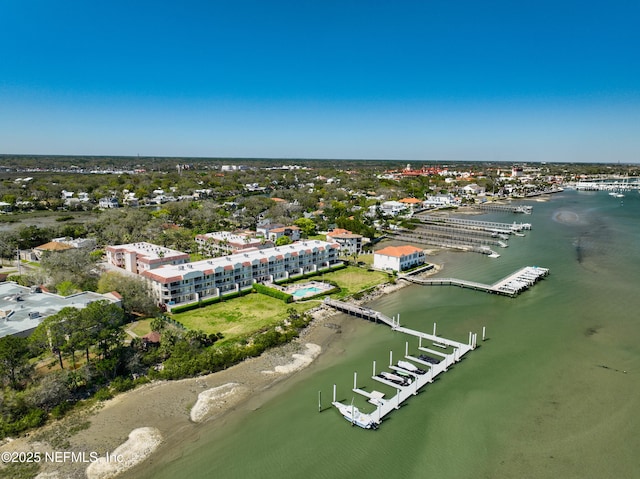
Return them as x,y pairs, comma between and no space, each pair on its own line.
135,423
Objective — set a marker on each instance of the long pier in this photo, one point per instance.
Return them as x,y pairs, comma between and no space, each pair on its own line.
416,371
511,285
506,228
422,235
504,208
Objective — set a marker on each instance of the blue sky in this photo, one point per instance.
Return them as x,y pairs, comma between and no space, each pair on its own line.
417,80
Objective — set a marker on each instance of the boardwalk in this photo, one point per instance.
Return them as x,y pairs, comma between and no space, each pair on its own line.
512,285
359,311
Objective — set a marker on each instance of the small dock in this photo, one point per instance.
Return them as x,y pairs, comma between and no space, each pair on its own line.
414,380
511,285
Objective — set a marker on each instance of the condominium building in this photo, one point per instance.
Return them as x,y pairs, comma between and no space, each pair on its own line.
187,283
223,243
398,258
274,232
349,242
140,257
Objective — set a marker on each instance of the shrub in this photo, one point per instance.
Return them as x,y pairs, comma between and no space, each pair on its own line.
103,394
274,293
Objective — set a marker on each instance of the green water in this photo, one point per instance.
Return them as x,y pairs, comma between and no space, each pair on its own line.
533,401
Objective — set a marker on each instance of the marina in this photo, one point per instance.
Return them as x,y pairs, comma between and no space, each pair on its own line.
507,228
527,210
407,378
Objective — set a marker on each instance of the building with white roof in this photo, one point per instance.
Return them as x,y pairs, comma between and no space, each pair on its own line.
224,242
22,309
140,257
191,282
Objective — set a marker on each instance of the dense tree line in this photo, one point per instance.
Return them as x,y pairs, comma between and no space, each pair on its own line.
91,358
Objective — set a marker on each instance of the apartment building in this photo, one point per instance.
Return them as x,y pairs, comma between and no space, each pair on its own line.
140,257
349,242
224,243
187,283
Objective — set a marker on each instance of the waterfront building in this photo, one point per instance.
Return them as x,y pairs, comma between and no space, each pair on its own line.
398,258
412,203
191,282
440,200
140,257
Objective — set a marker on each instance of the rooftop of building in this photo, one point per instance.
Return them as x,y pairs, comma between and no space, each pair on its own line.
148,250
54,246
170,273
399,251
238,238
23,308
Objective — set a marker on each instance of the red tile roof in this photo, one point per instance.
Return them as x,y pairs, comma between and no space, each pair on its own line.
399,251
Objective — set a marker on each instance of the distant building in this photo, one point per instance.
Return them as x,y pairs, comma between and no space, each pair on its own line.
140,257
393,208
412,203
435,201
50,247
84,243
107,203
275,231
350,243
398,258
223,243
57,245
472,189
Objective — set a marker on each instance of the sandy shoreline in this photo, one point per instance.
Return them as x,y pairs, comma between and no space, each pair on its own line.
169,410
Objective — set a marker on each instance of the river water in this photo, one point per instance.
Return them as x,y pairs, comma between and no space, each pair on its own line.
554,391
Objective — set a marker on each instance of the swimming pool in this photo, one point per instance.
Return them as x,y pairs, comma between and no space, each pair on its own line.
308,291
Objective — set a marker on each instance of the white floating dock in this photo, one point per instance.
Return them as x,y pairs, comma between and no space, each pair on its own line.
418,381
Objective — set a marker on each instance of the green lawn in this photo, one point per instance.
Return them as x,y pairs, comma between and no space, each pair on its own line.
252,312
239,316
353,280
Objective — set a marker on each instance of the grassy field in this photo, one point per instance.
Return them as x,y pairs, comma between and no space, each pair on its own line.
239,316
246,314
352,279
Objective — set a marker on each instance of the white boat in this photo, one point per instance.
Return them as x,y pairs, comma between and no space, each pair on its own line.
494,255
394,378
407,366
355,416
